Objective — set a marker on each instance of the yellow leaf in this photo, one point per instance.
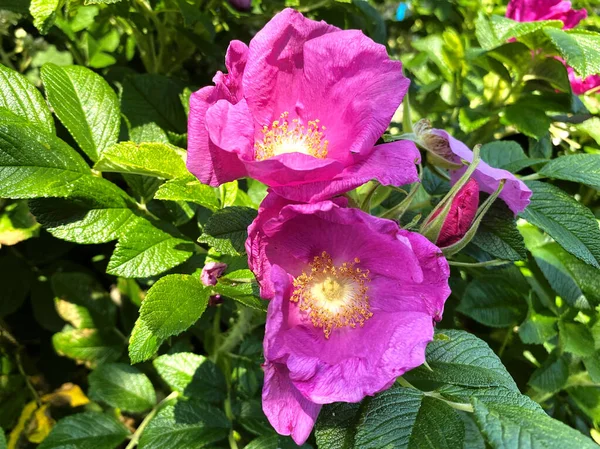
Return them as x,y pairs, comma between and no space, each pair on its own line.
68,394
41,425
15,435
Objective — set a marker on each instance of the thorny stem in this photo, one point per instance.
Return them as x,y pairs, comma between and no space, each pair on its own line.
432,394
135,438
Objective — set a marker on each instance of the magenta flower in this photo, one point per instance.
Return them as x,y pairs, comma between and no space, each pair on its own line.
354,302
537,10
515,193
460,216
582,85
301,110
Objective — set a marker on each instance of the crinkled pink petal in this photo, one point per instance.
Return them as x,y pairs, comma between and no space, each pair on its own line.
390,164
209,163
581,85
274,73
538,10
353,87
230,127
256,243
515,193
288,411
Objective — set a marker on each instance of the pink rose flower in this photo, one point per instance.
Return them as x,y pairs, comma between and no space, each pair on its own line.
538,10
460,216
300,110
515,193
354,302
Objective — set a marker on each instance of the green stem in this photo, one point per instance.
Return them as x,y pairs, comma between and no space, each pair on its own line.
135,438
532,177
366,202
488,263
432,394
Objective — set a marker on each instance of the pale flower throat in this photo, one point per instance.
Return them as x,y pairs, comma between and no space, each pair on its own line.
333,297
285,137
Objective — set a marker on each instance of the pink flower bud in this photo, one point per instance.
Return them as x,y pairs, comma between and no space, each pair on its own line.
461,214
212,271
241,4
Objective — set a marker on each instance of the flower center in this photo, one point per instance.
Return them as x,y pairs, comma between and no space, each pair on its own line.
333,297
285,137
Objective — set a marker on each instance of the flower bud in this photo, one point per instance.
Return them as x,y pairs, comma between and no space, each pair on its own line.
460,215
212,271
438,148
241,5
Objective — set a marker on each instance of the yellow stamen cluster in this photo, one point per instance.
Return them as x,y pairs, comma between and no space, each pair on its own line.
333,297
285,137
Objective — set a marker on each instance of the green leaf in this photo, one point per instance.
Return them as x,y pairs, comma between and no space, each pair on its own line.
2,439
173,304
496,30
398,417
587,399
21,97
122,386
44,13
568,222
592,365
538,329
152,159
86,431
337,425
88,346
576,338
96,211
189,189
530,120
82,301
227,230
462,359
241,286
552,376
575,281
554,72
502,153
491,300
185,425
274,441
579,48
512,427
143,344
192,375
34,163
146,251
152,101
583,168
17,224
85,104
592,128
498,234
